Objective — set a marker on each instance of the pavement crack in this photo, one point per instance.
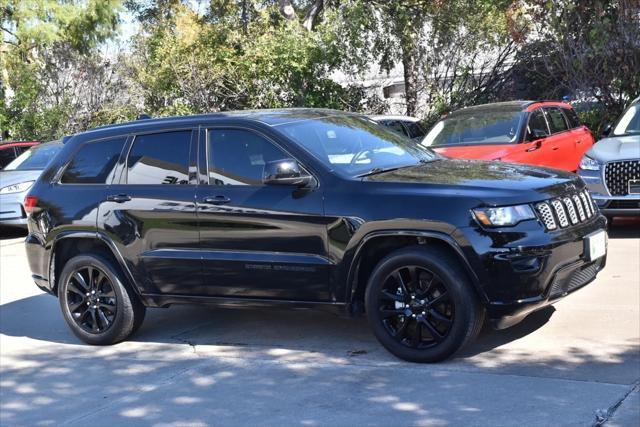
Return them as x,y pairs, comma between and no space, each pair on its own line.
603,416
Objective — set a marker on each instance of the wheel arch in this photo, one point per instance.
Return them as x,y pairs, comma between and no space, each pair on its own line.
376,245
67,245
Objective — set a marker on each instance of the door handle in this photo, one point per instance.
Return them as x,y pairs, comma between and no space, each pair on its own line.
217,200
119,198
535,147
555,148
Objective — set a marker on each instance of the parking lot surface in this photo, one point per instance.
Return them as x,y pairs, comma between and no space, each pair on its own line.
577,363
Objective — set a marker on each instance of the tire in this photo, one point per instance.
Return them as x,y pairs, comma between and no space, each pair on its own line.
443,316
115,317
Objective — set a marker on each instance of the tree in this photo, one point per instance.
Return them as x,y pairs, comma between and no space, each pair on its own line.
589,50
32,31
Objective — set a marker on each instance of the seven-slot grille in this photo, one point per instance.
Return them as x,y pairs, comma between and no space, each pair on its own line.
618,174
565,211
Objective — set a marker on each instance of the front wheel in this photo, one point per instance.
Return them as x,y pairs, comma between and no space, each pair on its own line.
96,304
420,305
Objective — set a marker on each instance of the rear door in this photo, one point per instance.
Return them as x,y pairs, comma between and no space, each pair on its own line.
581,135
259,241
150,212
561,141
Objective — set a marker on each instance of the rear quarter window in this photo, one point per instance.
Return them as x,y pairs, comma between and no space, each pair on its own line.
94,163
572,118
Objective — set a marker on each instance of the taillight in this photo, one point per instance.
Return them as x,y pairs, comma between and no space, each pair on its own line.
30,203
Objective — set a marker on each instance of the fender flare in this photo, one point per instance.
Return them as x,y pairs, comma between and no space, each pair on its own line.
442,237
92,235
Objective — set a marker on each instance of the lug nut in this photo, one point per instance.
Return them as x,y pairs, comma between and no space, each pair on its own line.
424,312
413,315
413,297
88,303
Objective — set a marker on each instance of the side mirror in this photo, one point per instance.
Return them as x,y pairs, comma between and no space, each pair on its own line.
285,172
537,134
606,130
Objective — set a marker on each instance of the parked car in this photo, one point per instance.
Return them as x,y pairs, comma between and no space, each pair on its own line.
17,178
405,125
306,208
9,150
611,168
544,133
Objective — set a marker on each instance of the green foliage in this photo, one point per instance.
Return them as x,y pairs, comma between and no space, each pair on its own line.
239,54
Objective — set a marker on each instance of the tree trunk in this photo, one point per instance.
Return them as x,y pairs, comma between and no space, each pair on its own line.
409,63
312,14
287,10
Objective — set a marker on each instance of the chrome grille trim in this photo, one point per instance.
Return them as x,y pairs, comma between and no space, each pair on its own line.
567,210
560,213
578,203
547,217
571,210
587,205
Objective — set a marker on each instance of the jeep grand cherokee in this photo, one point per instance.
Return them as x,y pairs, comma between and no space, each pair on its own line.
304,207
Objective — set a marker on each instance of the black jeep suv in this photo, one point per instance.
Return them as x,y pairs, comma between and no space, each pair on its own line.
312,208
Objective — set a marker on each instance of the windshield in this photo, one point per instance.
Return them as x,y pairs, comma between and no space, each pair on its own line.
36,158
354,145
476,127
629,123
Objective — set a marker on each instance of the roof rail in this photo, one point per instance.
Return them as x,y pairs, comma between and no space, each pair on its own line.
143,116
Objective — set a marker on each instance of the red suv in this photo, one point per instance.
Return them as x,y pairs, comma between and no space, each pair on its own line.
544,133
9,150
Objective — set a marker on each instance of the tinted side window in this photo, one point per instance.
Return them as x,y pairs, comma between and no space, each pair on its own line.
415,130
237,157
556,120
94,163
572,118
537,124
6,156
161,158
395,125
20,150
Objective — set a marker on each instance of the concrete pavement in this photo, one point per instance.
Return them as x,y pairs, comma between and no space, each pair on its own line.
577,363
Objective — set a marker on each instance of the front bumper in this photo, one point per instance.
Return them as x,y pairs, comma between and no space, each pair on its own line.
609,205
524,268
11,211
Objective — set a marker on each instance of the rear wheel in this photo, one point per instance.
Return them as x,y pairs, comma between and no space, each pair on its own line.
95,303
420,305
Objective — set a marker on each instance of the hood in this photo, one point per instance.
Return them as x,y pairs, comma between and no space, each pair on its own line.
17,176
492,183
616,148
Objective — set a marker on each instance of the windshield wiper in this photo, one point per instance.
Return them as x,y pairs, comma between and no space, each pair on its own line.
379,170
376,171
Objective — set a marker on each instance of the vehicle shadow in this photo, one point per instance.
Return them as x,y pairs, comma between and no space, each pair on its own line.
304,330
11,232
624,228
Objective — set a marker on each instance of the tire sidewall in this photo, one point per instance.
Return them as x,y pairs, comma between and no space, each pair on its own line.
461,295
122,322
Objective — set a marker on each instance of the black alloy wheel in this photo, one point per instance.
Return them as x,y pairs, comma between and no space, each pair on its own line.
96,300
91,299
421,305
415,307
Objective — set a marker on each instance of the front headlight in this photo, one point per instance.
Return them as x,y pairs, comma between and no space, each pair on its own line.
16,188
503,216
587,163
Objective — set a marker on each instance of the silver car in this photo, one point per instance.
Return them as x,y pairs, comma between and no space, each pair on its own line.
611,168
17,178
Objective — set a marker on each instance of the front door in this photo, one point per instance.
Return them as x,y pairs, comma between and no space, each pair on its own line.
150,213
536,148
259,241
